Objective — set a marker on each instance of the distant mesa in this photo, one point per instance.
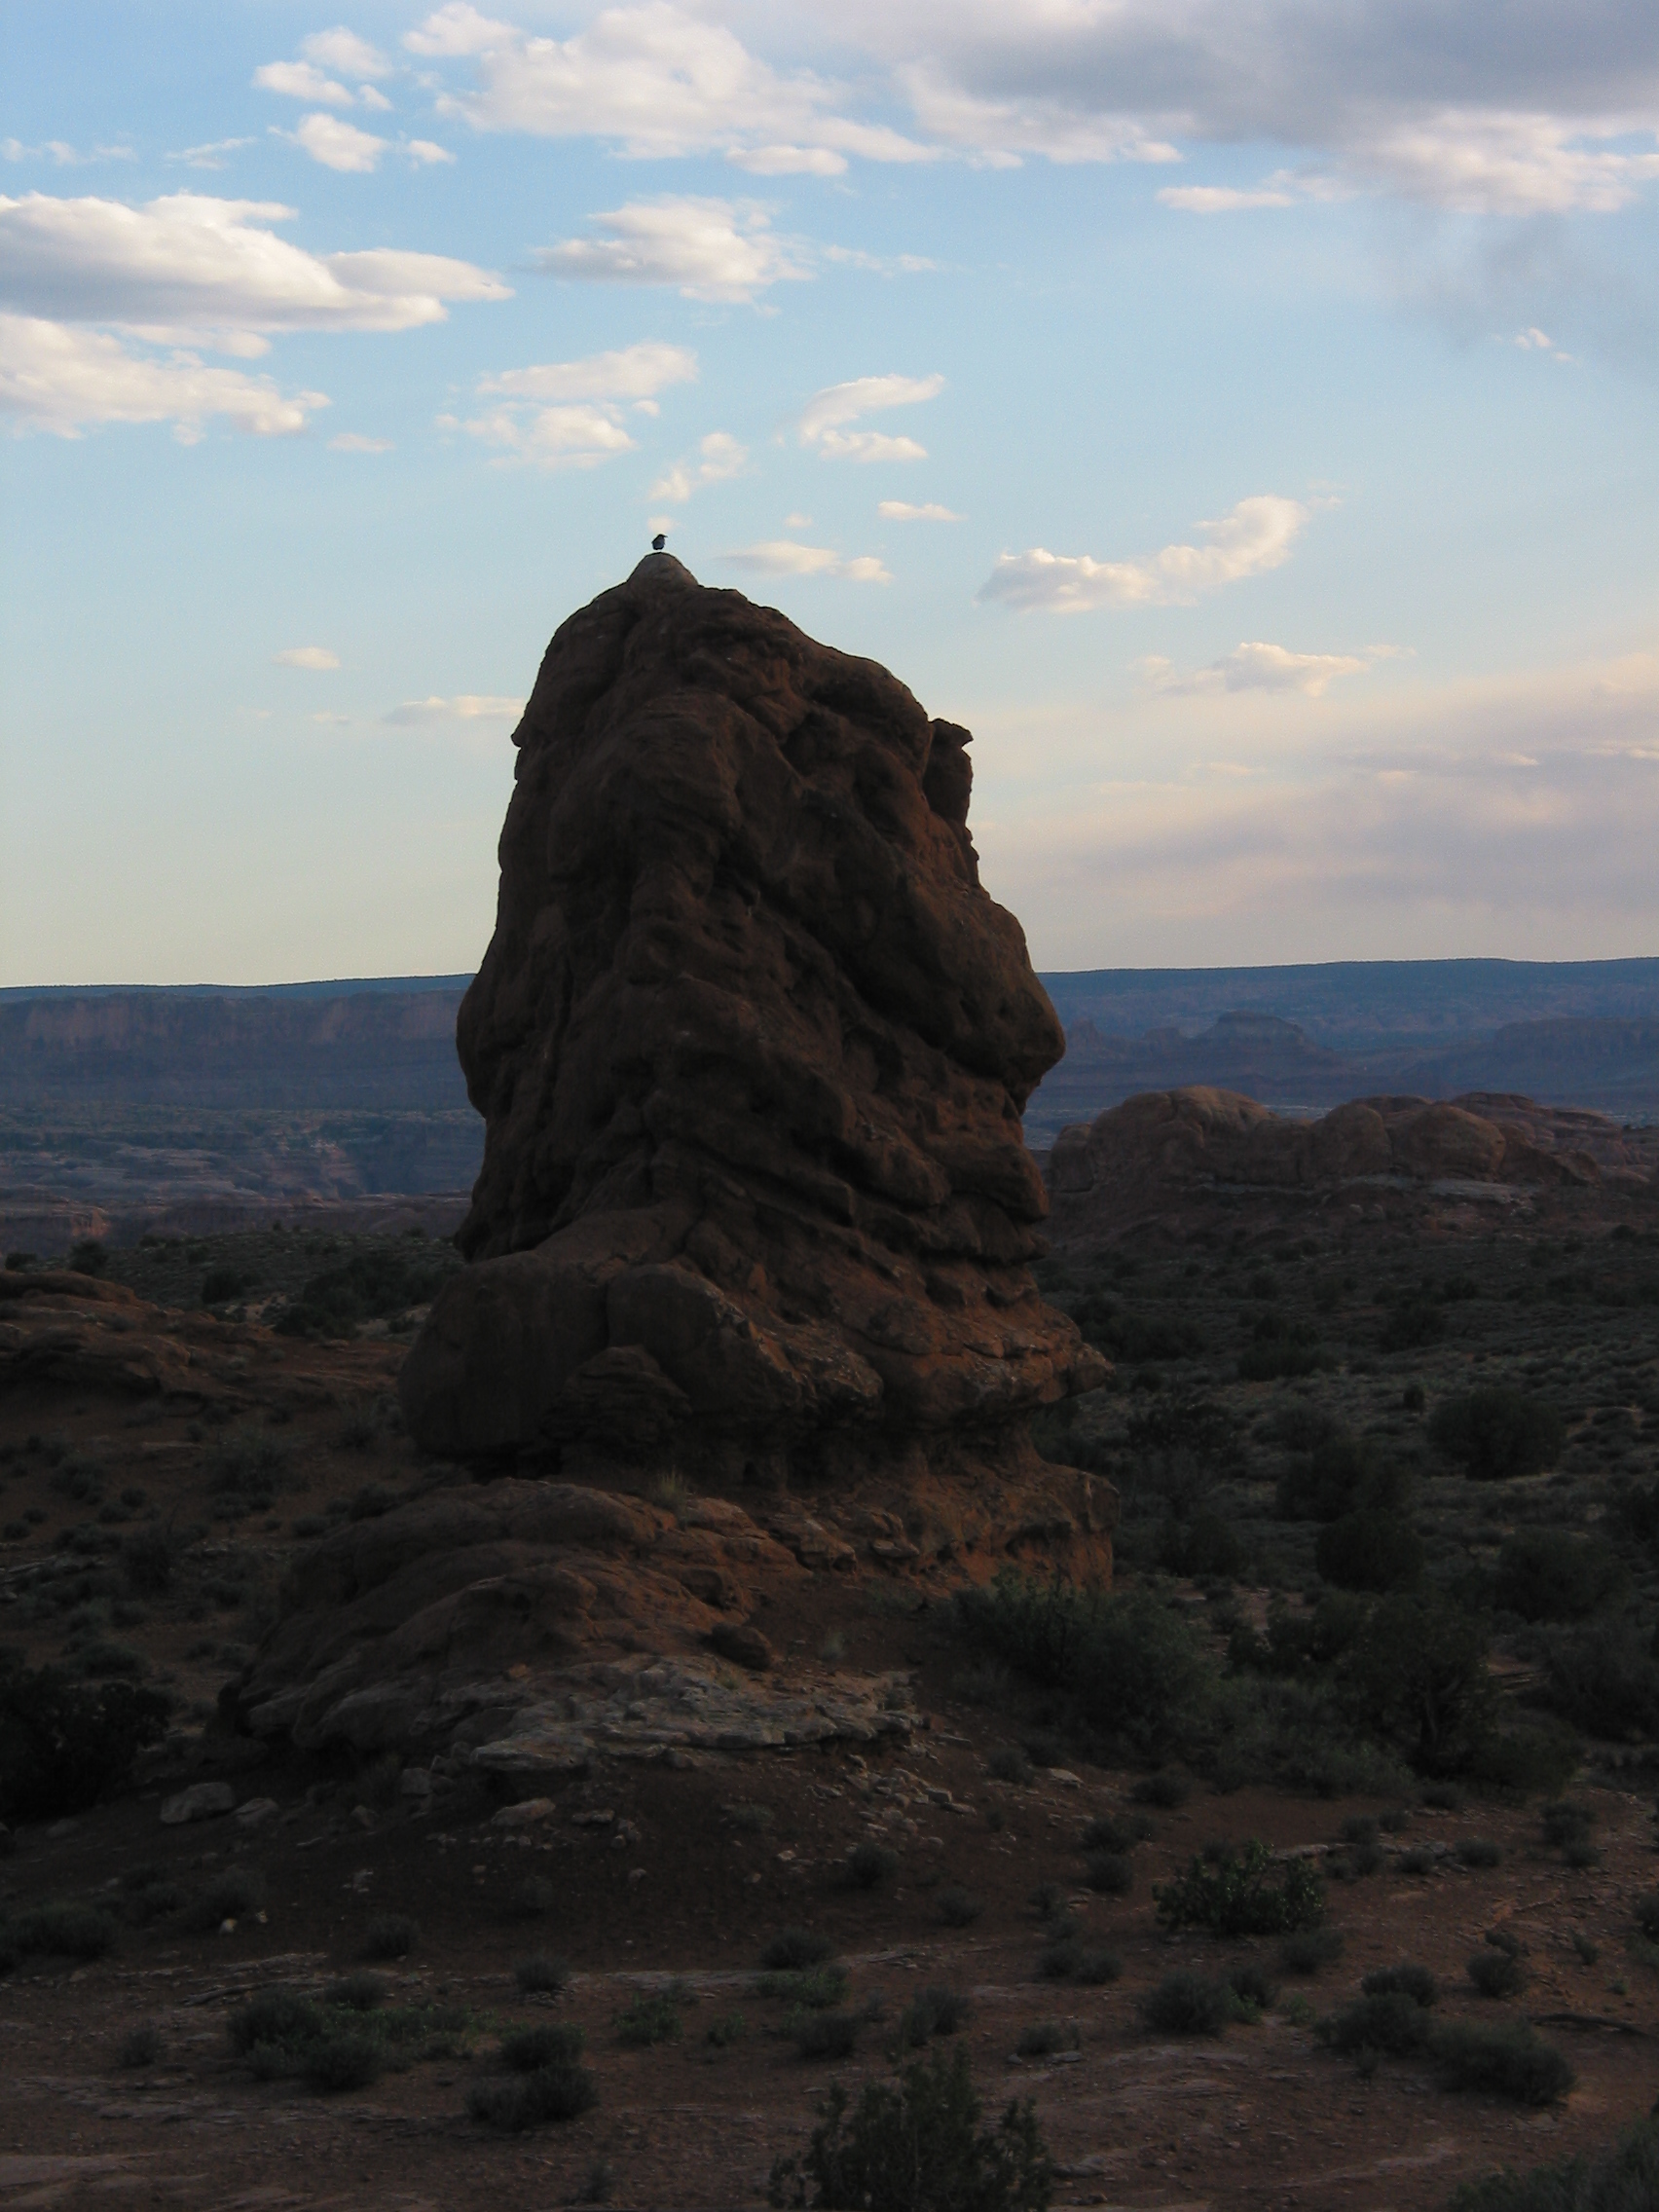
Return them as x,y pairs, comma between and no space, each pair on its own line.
750,1043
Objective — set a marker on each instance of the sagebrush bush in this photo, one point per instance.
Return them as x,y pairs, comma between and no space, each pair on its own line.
228,1895
1508,2061
1307,1949
916,2144
139,2046
389,1936
1413,1981
1127,1666
1390,2020
1185,2004
958,1907
650,2020
60,1927
825,2035
1233,1893
1110,1872
64,1744
870,1864
1603,1678
1342,1474
793,1948
538,1974
1624,2178
1498,1973
525,2100
527,2050
1416,1677
1046,2037
1068,1958
1369,1550
1498,1433
1545,1574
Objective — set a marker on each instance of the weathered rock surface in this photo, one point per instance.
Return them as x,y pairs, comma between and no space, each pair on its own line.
752,1044
1141,1159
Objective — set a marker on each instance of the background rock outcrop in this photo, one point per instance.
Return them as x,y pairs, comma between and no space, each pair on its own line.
752,1044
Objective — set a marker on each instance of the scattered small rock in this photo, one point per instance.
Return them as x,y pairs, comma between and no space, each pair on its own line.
202,1801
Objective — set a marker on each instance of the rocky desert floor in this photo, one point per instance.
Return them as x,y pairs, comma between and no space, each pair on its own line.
668,1880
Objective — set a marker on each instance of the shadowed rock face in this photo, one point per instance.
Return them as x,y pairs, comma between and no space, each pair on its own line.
752,1044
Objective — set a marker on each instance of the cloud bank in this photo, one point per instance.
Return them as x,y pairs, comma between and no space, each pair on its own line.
1258,534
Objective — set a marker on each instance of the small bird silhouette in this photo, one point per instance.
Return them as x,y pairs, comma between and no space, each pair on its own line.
658,542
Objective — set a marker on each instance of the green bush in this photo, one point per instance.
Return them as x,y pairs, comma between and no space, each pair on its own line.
1413,1322
917,2146
1203,1545
88,1258
389,1936
1106,1832
526,2100
1167,1789
229,1896
1279,1350
1498,1433
650,2020
1622,2179
1110,1872
870,1864
1046,2037
538,1975
1126,1664
1306,1949
1498,1973
139,2046
1409,1981
1508,2061
1479,1853
816,1987
958,1907
1229,1893
932,2011
1342,1474
1185,2004
1391,2021
1369,1550
825,2035
65,1745
793,1948
59,1927
527,2051
1544,1574
1603,1679
1416,1675
371,1285
148,1560
341,2061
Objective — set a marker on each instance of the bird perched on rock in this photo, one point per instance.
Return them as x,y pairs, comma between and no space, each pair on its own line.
658,542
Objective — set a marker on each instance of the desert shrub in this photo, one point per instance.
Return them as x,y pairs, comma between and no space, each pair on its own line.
1498,1973
917,2146
1479,1853
1623,2178
958,1907
389,1936
1066,1958
540,1976
148,1560
651,2018
729,2028
825,2035
1416,1321
1185,2004
1369,1550
88,1258
371,1285
1232,1892
1406,1979
1203,1545
1646,1912
1106,1832
1253,1993
65,1745
1342,1474
249,1464
1167,1789
341,2062
748,1819
527,2050
139,2046
525,2100
1306,1949
932,2012
1498,1433
1603,1678
793,1948
1391,2021
870,1864
1009,1763
1360,1847
59,1927
1110,1872
1126,1664
276,2020
1539,1756
1544,1574
229,1896
1416,1677
359,1992
1508,2061
534,1898
220,1284
816,1987
1565,1821
1046,2037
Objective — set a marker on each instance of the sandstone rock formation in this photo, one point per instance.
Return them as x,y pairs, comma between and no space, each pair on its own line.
1144,1159
752,1044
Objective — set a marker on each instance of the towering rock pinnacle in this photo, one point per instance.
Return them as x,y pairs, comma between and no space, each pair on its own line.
750,1043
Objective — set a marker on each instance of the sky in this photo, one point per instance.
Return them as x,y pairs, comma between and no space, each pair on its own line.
1240,414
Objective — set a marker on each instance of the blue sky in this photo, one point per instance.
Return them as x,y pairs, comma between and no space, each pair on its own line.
1241,416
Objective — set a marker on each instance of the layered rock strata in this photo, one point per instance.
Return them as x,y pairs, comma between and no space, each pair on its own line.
752,1044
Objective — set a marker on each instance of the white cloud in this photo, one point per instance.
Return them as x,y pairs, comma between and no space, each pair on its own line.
345,50
782,557
427,153
338,145
553,437
634,372
1477,164
212,156
825,418
353,441
188,262
1257,536
314,657
1219,200
720,457
465,706
710,249
900,511
62,380
663,81
1533,340
368,96
300,81
456,28
1001,129
1259,668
